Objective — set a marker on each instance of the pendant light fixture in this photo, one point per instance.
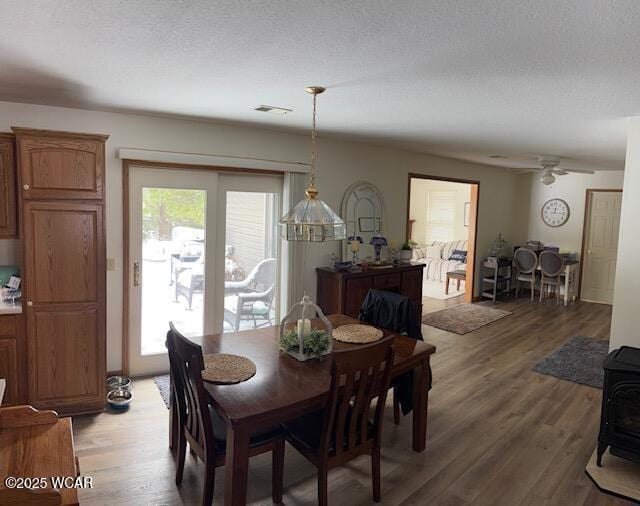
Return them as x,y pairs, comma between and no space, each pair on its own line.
312,220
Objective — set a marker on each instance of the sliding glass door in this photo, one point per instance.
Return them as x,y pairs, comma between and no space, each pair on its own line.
204,252
249,210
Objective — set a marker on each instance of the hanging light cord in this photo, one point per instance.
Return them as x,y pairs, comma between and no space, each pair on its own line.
312,174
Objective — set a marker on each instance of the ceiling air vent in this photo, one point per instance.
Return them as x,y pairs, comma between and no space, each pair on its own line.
272,109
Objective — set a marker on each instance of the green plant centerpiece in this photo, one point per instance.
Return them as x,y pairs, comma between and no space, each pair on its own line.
406,251
305,332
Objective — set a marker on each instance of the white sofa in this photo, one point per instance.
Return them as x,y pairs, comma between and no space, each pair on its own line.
436,255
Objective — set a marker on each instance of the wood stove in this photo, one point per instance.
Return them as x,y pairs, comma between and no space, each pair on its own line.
620,419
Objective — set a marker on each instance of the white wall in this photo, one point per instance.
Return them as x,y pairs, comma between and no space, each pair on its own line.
420,189
340,164
9,252
572,188
624,323
246,221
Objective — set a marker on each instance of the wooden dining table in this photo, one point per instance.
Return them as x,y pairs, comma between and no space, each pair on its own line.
284,388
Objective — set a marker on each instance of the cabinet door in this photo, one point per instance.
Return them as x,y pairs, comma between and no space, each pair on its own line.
64,272
412,285
9,370
66,357
63,251
60,168
8,206
356,290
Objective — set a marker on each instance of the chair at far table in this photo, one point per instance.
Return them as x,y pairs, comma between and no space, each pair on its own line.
343,431
526,263
201,426
552,268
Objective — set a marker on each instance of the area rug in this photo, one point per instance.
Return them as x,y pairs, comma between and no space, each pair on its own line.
578,360
162,382
464,318
617,476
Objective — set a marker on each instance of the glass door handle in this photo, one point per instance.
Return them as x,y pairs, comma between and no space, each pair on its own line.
136,273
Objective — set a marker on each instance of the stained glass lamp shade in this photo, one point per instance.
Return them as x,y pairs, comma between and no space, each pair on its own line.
312,220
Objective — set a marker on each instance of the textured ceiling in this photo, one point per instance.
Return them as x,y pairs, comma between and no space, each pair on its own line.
466,79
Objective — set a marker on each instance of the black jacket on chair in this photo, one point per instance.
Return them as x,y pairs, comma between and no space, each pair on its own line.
394,312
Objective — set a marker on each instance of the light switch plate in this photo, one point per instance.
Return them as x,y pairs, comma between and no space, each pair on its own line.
111,264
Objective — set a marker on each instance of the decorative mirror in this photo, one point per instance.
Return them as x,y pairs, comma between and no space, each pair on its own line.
363,213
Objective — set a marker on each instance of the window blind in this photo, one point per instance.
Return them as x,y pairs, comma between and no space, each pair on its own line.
441,216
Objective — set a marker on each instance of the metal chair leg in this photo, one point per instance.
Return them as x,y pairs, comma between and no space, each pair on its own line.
533,287
541,287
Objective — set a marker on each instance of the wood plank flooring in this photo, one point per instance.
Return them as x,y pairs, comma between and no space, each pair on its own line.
498,434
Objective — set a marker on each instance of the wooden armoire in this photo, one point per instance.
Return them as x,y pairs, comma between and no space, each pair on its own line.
62,228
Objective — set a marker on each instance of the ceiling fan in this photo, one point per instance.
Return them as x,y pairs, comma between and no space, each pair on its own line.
549,167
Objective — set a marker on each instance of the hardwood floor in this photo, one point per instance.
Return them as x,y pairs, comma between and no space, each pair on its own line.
430,304
499,434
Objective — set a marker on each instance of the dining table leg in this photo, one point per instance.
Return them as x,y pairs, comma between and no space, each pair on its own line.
421,377
236,465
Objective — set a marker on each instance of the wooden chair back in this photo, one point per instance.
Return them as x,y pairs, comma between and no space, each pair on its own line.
551,264
525,260
379,306
357,377
186,363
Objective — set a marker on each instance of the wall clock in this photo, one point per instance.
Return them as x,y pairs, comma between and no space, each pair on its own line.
555,212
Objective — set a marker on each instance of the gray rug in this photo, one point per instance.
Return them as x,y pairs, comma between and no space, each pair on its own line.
464,318
578,360
162,382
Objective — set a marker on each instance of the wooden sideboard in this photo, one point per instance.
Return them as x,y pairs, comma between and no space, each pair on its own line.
343,291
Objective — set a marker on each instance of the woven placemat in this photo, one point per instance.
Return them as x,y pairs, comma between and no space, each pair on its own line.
225,369
357,333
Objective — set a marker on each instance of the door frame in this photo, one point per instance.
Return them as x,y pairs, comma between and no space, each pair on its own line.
126,260
585,224
472,235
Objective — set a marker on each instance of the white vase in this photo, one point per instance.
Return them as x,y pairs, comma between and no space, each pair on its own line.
406,255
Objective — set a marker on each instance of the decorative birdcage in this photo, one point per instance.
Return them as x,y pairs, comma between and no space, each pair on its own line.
305,332
499,248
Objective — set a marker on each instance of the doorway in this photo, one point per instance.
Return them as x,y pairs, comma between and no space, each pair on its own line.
600,245
199,241
442,223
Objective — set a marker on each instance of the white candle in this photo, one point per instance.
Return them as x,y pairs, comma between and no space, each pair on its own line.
304,327
355,246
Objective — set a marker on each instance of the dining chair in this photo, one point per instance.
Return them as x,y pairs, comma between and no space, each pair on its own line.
343,430
200,425
526,263
551,268
396,313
